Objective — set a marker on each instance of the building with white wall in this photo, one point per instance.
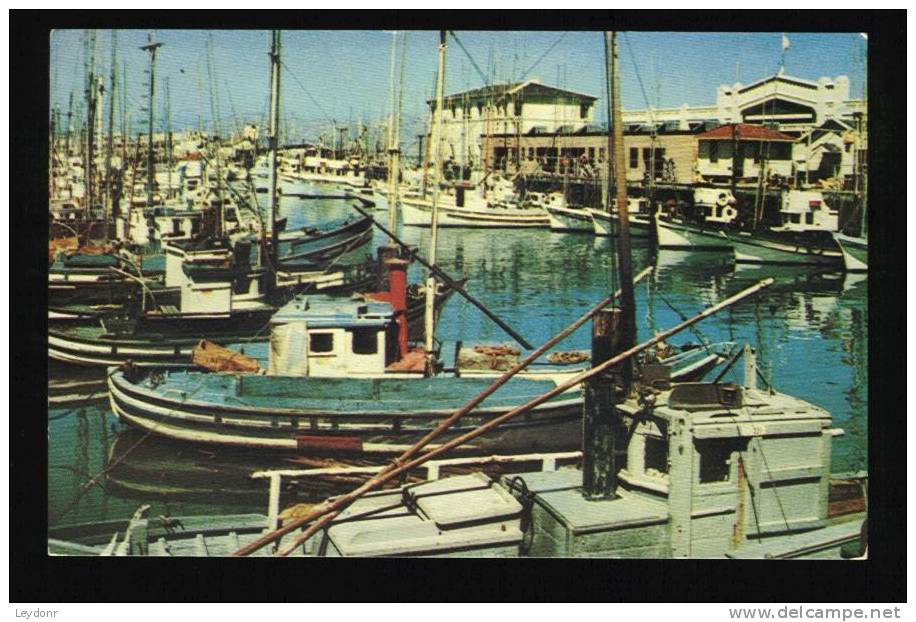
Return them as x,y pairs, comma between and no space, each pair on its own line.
786,103
521,108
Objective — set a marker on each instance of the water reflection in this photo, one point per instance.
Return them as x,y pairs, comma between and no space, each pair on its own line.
810,330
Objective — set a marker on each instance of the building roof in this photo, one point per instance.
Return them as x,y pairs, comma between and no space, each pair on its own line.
529,88
745,131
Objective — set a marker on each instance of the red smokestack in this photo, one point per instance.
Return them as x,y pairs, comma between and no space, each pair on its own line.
396,296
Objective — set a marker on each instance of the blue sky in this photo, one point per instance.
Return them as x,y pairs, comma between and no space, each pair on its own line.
343,75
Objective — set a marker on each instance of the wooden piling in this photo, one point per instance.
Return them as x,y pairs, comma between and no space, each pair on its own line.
600,421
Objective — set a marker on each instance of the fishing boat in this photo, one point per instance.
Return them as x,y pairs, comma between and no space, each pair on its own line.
801,235
340,378
708,471
314,244
464,206
699,228
103,277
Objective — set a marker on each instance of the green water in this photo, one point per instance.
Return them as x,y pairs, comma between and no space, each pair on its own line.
809,328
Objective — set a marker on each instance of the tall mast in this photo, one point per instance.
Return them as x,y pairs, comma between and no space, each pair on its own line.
396,154
90,116
69,125
168,134
625,267
109,198
216,131
152,48
392,174
272,137
434,228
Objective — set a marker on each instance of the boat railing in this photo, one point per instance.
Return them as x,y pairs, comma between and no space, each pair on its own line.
432,471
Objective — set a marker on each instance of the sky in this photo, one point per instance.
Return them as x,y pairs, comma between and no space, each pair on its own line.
343,76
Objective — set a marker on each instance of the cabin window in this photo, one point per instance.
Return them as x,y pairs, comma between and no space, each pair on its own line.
715,461
713,151
321,343
656,462
809,218
795,218
634,157
365,341
583,111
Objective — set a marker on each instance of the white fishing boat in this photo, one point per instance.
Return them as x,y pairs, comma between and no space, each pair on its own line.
492,204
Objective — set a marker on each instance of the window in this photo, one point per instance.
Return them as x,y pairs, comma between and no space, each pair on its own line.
656,463
321,342
634,157
809,218
583,111
365,341
715,461
713,151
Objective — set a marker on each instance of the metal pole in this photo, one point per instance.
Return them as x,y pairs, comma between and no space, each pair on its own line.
429,318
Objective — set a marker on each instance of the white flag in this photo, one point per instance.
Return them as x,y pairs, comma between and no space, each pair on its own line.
785,42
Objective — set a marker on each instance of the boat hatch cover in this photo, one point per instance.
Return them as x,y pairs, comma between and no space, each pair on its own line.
702,395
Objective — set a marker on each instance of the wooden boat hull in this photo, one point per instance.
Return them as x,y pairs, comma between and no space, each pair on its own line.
324,246
325,416
418,213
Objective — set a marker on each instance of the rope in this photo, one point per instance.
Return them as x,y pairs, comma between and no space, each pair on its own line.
696,332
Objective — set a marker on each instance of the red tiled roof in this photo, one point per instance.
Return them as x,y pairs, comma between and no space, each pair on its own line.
745,131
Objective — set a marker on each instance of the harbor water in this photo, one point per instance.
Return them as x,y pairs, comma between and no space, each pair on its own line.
809,329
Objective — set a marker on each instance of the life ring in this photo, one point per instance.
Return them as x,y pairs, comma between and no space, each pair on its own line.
729,213
722,201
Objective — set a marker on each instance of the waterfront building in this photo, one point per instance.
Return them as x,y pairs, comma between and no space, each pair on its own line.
745,147
472,120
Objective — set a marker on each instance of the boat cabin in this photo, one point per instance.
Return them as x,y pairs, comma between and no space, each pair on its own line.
212,277
324,336
715,204
805,210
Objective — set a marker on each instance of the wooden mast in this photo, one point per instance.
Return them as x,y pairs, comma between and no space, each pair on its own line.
152,48
272,137
392,144
434,225
90,121
625,266
109,146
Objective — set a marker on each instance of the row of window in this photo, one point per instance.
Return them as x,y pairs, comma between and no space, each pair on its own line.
646,156
365,341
